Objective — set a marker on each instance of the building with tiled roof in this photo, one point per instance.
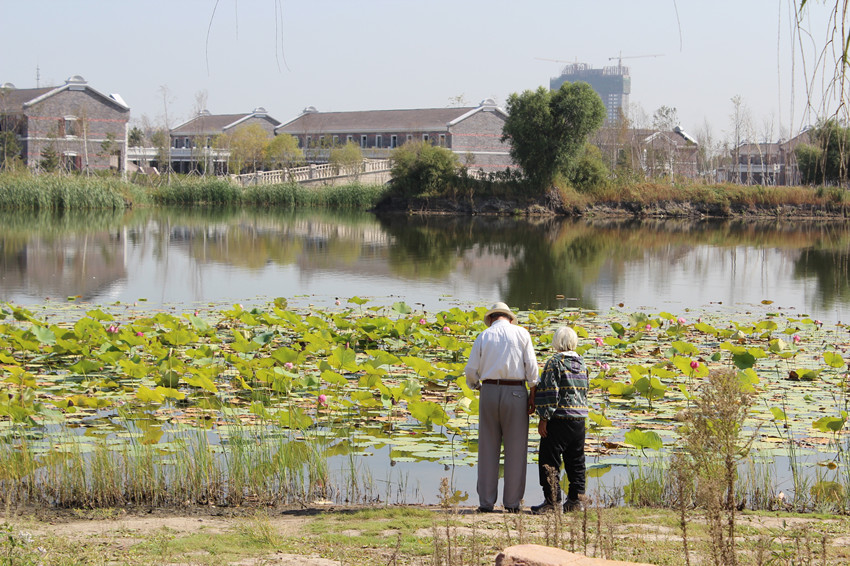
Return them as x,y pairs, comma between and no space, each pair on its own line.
193,142
473,133
84,128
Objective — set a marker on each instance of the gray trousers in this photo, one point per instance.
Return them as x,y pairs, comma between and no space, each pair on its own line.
502,418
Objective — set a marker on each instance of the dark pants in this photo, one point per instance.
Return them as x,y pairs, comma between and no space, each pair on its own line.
564,441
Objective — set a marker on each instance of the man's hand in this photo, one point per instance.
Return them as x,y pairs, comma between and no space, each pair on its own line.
541,428
531,406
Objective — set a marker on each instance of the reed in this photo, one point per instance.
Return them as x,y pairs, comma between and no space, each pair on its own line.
188,191
22,191
355,196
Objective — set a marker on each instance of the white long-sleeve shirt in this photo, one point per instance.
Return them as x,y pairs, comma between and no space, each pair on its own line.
502,351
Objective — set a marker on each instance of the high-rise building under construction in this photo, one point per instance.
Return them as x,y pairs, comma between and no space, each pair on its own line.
612,84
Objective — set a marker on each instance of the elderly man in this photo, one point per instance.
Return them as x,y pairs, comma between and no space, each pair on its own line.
502,363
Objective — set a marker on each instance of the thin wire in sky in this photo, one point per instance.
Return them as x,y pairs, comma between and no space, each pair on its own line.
278,32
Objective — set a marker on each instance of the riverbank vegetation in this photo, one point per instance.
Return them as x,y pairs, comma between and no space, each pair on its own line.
59,192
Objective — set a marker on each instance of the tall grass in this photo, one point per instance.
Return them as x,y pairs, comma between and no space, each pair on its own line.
21,191
196,191
292,195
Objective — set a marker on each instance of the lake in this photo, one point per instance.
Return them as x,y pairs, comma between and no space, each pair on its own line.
184,259
200,256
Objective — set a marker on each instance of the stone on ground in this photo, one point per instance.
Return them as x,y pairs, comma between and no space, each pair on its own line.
537,555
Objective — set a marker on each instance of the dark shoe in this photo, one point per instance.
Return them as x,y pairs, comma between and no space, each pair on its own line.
485,510
573,505
544,507
512,509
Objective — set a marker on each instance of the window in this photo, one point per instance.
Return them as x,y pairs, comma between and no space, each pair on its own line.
363,140
442,140
349,138
309,140
68,126
393,141
71,161
178,143
321,141
409,137
187,143
209,141
424,137
336,141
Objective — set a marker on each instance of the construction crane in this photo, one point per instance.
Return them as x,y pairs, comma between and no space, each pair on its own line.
620,57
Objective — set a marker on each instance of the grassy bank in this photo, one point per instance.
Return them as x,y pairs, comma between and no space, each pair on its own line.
22,191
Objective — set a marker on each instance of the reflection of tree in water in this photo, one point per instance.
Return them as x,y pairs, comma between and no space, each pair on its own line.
831,269
542,259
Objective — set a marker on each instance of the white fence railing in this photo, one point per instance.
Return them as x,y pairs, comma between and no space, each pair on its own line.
310,173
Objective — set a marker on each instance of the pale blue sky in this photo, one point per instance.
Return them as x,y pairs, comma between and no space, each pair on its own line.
375,54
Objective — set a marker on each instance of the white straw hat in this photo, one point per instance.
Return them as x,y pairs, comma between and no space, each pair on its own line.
500,308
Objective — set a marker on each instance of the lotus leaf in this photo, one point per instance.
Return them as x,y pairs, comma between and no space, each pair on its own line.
643,439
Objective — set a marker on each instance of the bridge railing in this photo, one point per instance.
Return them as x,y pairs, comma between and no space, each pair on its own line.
309,173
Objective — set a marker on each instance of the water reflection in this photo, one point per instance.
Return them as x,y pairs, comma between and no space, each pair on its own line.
189,256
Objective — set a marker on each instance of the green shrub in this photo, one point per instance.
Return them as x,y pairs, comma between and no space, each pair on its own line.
422,169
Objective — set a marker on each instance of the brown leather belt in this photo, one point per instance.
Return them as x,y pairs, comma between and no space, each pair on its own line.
503,381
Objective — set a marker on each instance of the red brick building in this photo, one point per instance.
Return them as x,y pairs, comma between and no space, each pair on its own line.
84,128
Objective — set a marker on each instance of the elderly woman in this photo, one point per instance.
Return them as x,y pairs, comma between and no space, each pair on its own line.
561,402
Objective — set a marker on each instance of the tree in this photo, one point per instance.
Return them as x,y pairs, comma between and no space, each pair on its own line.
162,142
590,170
547,130
136,137
827,160
347,158
665,119
740,123
246,148
49,156
10,150
282,151
420,168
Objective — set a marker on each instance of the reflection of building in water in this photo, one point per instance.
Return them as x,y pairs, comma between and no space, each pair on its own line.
92,266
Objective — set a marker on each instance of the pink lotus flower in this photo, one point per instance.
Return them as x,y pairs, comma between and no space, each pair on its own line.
818,323
140,333
336,302
682,321
113,329
797,339
605,367
446,329
648,327
288,365
323,400
694,364
599,342
598,363
422,321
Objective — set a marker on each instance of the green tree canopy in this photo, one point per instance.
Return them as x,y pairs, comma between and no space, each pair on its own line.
548,129
827,158
347,158
419,168
247,144
282,151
